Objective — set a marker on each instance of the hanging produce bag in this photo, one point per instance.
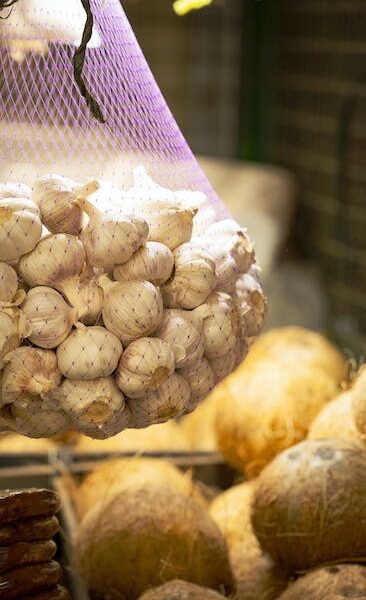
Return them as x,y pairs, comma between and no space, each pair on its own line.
126,290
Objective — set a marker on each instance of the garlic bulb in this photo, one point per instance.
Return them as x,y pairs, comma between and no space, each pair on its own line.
41,420
49,317
169,222
220,324
132,309
12,330
14,190
251,305
85,295
89,353
200,378
152,262
223,365
29,375
96,407
20,227
55,260
8,283
144,366
193,280
179,331
170,400
55,197
112,238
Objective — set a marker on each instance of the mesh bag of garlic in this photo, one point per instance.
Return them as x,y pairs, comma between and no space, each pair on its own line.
126,290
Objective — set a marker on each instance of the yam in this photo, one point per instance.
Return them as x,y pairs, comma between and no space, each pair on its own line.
269,402
309,504
336,420
148,535
335,582
181,590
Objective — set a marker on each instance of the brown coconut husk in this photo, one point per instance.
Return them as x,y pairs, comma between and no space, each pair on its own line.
336,582
336,420
269,402
181,590
309,505
15,444
145,536
359,400
112,476
255,575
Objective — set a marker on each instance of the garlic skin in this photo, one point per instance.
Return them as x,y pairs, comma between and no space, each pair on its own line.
15,190
8,283
220,324
49,317
96,407
144,366
20,227
169,222
181,333
251,305
223,365
55,196
89,353
55,259
85,296
112,238
170,400
29,375
153,262
41,421
132,309
200,378
193,280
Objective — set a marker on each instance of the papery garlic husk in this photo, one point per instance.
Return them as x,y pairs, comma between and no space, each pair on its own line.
14,190
8,283
96,407
112,238
170,400
251,304
181,333
193,279
39,420
132,309
223,365
55,196
20,227
85,296
89,353
200,378
49,317
144,366
13,328
220,324
55,260
169,222
29,375
153,262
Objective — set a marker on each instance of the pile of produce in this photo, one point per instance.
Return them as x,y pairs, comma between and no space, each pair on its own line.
117,308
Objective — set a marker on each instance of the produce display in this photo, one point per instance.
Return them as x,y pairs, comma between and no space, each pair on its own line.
117,308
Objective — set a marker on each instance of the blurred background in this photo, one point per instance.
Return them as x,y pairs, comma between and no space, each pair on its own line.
271,96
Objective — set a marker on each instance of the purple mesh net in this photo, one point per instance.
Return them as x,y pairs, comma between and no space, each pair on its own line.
47,128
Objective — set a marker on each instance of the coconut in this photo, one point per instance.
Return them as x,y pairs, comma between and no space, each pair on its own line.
149,534
309,504
359,400
336,420
163,437
199,425
181,590
15,444
269,402
335,582
256,577
111,476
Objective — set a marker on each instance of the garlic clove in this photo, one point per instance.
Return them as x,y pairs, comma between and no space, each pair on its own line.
29,375
20,227
181,333
85,296
55,197
111,238
8,283
193,280
132,309
14,190
169,222
153,262
144,366
170,400
219,320
200,378
89,353
55,259
49,317
96,407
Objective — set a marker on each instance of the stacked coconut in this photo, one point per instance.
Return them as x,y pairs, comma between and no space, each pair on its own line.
117,309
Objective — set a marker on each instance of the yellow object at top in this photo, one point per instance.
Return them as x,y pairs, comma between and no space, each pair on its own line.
182,7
